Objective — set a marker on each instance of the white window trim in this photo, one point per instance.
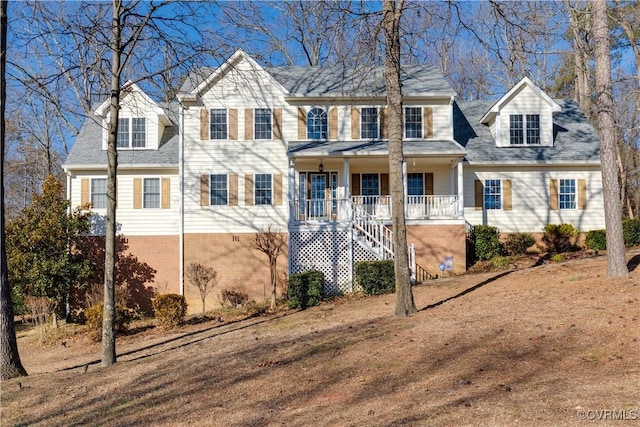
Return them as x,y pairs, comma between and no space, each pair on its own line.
484,200
255,122
575,194
159,178
255,188
130,139
210,188
326,112
91,180
525,141
226,113
404,123
378,112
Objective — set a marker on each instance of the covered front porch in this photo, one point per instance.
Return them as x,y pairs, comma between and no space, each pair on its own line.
345,189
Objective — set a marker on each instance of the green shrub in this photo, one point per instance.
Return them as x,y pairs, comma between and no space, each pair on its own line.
375,277
486,242
500,261
557,258
560,238
596,240
93,320
631,231
518,243
232,298
170,309
305,289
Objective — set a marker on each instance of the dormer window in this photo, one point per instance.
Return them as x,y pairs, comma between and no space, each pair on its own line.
518,123
132,132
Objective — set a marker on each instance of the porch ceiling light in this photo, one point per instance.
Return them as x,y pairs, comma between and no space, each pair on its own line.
321,167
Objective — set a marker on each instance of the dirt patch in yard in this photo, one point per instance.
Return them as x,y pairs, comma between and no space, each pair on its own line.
545,345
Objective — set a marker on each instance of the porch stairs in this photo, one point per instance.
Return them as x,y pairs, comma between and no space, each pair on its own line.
377,239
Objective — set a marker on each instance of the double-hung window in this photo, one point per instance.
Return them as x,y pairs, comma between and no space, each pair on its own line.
218,123
263,189
412,122
567,194
369,123
219,190
262,123
151,193
492,194
317,124
533,129
131,132
370,184
524,129
99,193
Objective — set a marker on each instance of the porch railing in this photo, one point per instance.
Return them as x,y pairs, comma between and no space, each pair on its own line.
320,209
378,207
432,206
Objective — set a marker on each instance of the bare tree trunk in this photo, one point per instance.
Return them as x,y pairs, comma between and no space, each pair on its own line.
274,279
10,364
109,313
392,12
616,265
581,53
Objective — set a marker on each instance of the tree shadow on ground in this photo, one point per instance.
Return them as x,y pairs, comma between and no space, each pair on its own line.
633,263
466,291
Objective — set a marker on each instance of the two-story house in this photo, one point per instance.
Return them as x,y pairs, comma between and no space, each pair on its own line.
303,151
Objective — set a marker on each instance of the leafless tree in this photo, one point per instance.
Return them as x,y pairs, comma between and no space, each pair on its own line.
271,244
605,111
391,15
10,364
202,277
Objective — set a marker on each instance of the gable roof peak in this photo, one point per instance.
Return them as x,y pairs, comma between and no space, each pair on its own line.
524,82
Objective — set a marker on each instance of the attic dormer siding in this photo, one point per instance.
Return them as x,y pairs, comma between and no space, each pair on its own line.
526,101
136,107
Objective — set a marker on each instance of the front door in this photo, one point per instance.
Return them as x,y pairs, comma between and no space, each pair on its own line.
318,194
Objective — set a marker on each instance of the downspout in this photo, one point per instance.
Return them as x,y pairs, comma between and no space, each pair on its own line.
181,204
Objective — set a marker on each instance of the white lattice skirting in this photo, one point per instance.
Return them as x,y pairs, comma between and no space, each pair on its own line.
331,251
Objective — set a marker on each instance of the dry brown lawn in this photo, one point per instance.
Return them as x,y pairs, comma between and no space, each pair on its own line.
533,346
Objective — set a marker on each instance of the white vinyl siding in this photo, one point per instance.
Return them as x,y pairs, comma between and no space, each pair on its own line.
242,157
530,198
131,221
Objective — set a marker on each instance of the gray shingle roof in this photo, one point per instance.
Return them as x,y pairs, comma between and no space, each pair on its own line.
87,149
338,81
575,140
417,80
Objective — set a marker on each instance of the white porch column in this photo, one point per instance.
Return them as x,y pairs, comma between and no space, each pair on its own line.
405,189
345,206
460,189
292,191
